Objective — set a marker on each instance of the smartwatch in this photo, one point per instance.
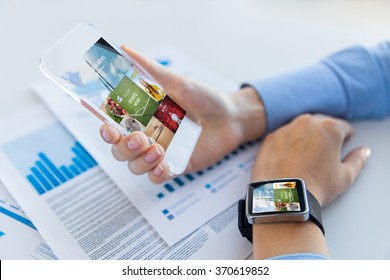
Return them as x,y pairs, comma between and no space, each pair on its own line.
282,200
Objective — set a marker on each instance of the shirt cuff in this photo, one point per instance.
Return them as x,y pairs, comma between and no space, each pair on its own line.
300,256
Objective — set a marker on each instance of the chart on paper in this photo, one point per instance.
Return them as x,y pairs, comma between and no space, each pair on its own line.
182,181
206,179
19,238
11,209
47,169
86,216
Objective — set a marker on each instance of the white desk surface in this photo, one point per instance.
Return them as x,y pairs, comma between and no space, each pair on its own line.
241,40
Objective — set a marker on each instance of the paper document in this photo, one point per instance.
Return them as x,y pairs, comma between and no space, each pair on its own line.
19,238
80,211
176,208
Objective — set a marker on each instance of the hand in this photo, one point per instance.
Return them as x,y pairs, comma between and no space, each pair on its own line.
227,121
308,148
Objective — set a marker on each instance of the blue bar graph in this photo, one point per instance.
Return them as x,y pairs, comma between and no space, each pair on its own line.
189,176
45,175
46,185
84,160
160,195
86,154
74,170
178,181
67,172
79,165
36,184
52,167
49,157
169,187
242,147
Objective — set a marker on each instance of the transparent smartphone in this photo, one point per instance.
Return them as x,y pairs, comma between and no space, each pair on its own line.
99,75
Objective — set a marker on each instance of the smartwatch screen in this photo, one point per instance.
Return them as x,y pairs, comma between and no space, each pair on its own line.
276,197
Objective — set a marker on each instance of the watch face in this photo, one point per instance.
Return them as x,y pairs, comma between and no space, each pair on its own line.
281,196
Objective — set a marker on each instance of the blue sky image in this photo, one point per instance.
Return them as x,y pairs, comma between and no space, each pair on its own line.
100,70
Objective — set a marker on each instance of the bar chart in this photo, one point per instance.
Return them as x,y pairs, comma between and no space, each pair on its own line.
183,180
49,158
45,175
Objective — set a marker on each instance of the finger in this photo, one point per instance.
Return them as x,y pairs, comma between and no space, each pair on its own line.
346,129
130,146
338,127
160,73
160,173
353,164
110,134
187,93
147,160
175,86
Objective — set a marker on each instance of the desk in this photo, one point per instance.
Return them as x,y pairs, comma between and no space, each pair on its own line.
279,35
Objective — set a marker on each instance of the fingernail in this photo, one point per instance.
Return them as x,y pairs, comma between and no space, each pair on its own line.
158,171
151,140
135,142
153,155
106,136
367,152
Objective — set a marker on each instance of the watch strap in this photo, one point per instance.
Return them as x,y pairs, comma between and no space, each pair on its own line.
243,225
315,211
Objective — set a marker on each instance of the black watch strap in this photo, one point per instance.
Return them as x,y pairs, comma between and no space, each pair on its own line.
315,211
243,225
246,228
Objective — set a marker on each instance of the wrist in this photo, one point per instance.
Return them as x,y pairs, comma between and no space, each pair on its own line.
281,217
248,114
283,238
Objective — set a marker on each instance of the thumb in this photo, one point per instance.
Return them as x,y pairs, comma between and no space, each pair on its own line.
353,164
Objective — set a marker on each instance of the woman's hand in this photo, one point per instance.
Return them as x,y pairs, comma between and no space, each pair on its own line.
226,120
308,148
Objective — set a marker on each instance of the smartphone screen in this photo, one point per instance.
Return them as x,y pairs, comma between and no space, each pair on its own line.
124,93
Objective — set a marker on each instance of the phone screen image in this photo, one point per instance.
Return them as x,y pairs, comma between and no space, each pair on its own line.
124,92
276,197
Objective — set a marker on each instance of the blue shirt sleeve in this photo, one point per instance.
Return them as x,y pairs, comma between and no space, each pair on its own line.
353,84
300,256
